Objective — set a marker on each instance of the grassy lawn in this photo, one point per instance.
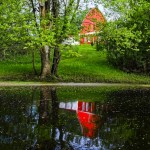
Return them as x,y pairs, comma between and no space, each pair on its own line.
89,66
92,66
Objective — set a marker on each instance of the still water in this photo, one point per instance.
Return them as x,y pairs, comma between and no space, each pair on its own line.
74,118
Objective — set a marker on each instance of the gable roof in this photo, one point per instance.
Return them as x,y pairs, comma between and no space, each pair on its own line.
91,21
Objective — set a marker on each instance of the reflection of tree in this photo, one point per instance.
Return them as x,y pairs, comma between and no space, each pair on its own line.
49,121
14,118
129,125
44,126
44,107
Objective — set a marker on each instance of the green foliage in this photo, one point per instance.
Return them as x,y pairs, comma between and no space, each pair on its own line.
32,25
127,38
70,51
80,16
12,30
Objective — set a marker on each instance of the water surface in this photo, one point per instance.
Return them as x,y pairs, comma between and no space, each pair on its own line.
74,118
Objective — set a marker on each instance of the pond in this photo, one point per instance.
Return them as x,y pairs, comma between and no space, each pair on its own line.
74,118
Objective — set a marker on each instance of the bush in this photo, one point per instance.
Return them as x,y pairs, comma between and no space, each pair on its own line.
128,39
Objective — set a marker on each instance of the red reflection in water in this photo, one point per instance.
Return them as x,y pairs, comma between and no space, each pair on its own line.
89,121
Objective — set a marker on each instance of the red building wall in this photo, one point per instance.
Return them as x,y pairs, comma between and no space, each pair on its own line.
90,26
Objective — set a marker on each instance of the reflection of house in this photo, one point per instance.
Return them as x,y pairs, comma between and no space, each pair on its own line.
91,25
78,142
88,120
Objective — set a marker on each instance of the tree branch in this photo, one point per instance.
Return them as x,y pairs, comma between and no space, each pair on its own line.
77,6
34,13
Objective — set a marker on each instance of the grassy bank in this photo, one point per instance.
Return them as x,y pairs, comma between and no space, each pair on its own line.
92,66
87,65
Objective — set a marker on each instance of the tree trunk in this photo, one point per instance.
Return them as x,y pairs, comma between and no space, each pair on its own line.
45,50
55,106
45,62
45,105
48,117
33,63
56,60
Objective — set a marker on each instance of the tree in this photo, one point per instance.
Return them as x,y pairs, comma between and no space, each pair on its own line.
55,20
127,38
13,30
38,25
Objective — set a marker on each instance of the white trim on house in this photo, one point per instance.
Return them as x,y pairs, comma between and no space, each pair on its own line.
89,33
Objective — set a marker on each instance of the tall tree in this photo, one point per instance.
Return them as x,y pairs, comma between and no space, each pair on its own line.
39,25
63,24
44,9
56,17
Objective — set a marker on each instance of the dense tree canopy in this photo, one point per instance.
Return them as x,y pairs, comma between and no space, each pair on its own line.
37,25
127,38
13,28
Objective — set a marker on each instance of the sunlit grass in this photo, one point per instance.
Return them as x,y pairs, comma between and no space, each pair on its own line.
92,66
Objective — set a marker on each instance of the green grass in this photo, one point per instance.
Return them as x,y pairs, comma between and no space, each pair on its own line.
19,68
92,66
85,65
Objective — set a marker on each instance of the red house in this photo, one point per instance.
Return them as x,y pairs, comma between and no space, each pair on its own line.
91,26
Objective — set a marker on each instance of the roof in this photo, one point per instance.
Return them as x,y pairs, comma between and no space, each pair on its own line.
91,21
